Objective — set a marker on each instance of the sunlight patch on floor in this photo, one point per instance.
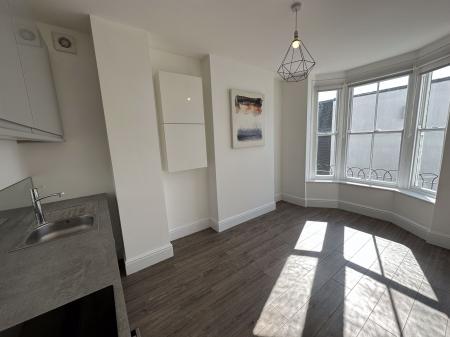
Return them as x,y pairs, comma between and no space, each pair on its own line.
291,290
386,290
312,236
350,247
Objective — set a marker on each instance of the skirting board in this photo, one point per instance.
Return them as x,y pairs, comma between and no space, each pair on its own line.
222,225
147,259
397,219
189,229
325,203
439,239
293,199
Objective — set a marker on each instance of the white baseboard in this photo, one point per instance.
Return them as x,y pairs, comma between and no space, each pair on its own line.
277,197
411,226
397,219
193,227
242,217
439,239
325,203
365,210
214,224
293,199
147,259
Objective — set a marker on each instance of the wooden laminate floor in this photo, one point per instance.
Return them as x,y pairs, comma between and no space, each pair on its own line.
296,272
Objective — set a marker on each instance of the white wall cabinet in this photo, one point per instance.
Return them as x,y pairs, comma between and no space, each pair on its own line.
181,98
40,88
184,144
14,105
182,122
28,103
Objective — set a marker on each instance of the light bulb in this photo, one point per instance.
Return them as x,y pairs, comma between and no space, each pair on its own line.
188,99
295,44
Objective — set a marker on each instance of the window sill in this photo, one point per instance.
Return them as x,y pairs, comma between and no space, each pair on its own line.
410,193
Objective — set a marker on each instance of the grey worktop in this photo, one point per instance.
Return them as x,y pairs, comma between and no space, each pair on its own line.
43,277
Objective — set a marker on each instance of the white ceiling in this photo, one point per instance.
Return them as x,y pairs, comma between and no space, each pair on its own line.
340,34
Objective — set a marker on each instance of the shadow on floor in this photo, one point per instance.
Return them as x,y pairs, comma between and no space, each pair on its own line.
296,272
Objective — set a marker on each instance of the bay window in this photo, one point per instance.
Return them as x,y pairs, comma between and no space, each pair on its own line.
389,132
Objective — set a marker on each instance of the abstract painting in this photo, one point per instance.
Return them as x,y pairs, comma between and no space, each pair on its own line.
247,118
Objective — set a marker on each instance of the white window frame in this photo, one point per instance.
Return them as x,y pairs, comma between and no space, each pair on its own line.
315,132
349,132
418,111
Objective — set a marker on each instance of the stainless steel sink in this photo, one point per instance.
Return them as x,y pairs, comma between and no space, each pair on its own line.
53,230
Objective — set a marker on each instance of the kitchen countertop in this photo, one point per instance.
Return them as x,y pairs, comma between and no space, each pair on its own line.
40,278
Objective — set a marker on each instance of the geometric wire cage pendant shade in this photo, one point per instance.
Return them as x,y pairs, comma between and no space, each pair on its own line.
298,62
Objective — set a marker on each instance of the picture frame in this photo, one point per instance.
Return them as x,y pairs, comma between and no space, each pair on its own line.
247,118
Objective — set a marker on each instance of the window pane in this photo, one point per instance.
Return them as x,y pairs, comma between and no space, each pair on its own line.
397,82
327,110
429,152
441,73
438,104
364,89
386,155
358,156
363,112
391,109
325,155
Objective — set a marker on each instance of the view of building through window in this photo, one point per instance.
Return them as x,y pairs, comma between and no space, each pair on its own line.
326,132
434,109
376,129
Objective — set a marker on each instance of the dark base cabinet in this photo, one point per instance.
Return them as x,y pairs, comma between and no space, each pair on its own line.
89,316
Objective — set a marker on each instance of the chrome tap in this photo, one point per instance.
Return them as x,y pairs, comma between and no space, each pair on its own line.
36,199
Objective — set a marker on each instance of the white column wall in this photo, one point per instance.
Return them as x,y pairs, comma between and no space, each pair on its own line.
128,102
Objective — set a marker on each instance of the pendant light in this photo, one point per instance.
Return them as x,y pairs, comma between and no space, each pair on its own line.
298,62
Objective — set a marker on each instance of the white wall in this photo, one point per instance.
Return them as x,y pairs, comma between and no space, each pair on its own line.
409,207
294,97
316,193
210,145
244,177
277,134
81,165
126,84
12,167
186,192
440,230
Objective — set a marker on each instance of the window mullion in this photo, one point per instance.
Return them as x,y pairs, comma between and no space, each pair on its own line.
376,107
326,134
371,157
430,129
408,137
314,126
341,139
374,131
348,131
